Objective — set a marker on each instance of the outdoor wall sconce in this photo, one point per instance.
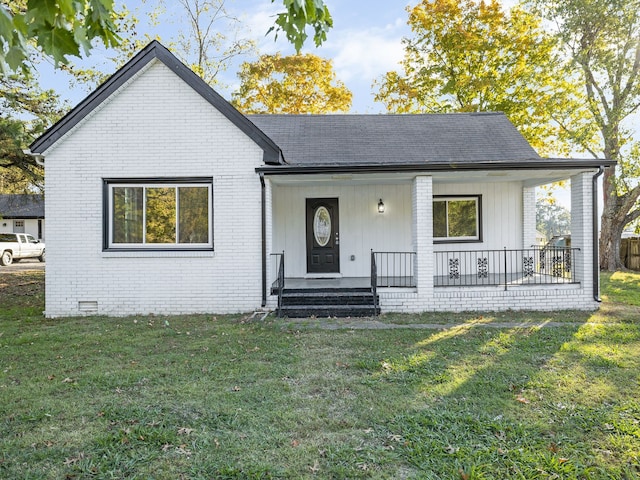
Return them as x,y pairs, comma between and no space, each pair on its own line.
380,206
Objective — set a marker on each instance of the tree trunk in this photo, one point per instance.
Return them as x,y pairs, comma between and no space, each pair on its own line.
611,225
610,236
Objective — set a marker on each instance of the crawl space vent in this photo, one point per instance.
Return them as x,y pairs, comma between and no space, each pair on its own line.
88,307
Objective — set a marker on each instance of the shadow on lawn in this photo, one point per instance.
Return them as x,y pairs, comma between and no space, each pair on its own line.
519,402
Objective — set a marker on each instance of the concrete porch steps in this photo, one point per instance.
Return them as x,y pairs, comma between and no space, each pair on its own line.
327,302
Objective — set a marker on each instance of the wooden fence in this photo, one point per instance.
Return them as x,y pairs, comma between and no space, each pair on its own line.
630,253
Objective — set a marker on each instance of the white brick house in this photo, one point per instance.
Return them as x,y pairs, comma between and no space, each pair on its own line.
163,199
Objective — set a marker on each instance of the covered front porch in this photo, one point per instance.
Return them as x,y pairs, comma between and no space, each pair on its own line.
392,251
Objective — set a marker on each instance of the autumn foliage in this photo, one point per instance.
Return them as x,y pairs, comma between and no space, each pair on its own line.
294,84
467,56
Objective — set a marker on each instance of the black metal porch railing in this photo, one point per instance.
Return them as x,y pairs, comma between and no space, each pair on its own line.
393,269
278,285
530,266
374,281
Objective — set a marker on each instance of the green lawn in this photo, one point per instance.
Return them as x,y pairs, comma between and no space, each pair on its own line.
231,397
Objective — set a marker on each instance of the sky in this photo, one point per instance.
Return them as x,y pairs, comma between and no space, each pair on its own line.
365,43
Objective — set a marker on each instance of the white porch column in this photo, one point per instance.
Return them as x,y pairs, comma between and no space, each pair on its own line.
422,197
581,227
528,217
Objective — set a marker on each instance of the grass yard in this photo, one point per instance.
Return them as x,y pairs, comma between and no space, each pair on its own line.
231,397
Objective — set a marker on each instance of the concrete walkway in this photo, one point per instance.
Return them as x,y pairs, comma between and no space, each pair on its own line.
371,324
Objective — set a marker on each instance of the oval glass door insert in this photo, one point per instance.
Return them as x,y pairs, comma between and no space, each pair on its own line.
322,226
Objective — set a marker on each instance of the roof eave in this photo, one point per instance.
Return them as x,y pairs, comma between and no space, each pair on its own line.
534,164
25,217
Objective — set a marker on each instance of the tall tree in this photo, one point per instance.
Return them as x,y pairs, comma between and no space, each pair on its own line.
88,75
469,56
18,172
291,84
603,39
212,40
25,112
552,218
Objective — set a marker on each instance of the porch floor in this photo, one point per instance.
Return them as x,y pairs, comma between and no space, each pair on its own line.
338,283
346,282
439,281
492,279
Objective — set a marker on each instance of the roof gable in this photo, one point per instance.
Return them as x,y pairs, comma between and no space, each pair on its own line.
155,50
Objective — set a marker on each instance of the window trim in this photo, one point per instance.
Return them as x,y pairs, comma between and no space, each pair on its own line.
107,221
478,238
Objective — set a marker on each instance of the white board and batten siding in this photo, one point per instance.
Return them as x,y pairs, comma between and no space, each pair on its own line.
156,125
361,227
501,214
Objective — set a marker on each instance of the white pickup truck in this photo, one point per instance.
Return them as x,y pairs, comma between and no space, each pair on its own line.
16,246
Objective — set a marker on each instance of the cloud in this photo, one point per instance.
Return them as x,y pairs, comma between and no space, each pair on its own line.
362,51
366,54
259,21
357,54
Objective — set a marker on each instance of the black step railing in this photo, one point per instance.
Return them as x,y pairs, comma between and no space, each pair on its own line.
278,285
529,266
374,282
393,269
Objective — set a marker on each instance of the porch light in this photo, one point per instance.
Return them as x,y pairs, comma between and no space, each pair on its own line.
380,206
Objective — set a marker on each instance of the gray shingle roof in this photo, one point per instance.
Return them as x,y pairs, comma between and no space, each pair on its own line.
21,206
395,139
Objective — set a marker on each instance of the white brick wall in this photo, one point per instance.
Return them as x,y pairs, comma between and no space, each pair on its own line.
460,299
155,126
423,237
528,217
582,228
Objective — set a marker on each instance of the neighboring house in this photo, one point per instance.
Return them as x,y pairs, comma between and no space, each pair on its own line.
177,203
22,213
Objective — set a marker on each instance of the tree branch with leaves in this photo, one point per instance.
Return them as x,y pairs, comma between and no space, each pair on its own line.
298,15
57,29
62,28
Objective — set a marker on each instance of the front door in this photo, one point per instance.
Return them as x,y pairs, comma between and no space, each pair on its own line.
323,241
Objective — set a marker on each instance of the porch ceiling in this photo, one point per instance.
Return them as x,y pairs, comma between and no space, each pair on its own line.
529,177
